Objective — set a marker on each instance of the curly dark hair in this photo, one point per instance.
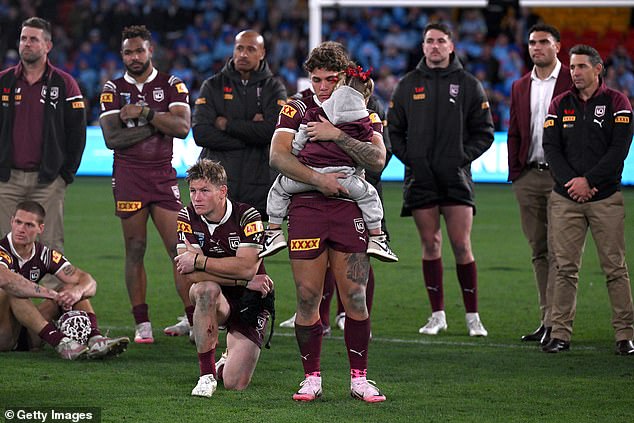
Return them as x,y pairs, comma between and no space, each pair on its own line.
328,55
136,31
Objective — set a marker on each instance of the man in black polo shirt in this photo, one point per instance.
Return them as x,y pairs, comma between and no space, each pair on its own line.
42,132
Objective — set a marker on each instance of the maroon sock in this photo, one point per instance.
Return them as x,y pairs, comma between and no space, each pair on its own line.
432,274
140,313
324,305
369,291
189,312
51,335
468,278
207,362
94,327
309,341
357,337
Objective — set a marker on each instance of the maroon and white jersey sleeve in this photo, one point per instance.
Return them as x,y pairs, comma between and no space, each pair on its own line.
292,114
160,92
43,260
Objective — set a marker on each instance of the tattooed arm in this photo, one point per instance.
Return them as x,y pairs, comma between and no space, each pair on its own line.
78,285
18,286
369,155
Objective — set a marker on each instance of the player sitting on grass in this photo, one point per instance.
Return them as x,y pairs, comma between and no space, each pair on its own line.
24,259
347,110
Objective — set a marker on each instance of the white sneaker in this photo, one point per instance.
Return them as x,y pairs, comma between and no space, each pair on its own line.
179,329
365,390
289,323
143,333
274,242
380,249
435,324
340,320
309,389
69,349
205,387
474,324
100,346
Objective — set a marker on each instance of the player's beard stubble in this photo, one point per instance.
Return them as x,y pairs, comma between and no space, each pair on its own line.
136,70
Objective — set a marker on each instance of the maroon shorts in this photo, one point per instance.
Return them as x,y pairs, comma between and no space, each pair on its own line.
235,323
135,188
316,222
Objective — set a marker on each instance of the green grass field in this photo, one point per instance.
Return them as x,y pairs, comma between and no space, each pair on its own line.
451,377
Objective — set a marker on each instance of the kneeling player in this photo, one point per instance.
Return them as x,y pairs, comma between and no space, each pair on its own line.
23,259
219,243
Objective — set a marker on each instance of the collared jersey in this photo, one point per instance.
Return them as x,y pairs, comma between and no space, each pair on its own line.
160,92
43,260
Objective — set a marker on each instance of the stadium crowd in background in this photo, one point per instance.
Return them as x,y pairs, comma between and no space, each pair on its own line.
195,38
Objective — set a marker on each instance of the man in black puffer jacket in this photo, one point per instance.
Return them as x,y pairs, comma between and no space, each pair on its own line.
234,119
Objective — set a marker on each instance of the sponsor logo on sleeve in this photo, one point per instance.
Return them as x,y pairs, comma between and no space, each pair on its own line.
622,119
5,98
253,227
106,98
201,100
184,227
129,206
288,111
56,256
6,257
304,244
485,105
181,88
374,118
549,122
77,105
569,118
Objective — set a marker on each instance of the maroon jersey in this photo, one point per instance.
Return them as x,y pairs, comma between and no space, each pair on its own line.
160,92
42,261
241,226
320,154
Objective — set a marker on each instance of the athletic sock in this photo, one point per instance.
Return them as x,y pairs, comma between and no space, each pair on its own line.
309,341
357,337
51,335
468,278
140,313
207,362
189,312
94,327
432,274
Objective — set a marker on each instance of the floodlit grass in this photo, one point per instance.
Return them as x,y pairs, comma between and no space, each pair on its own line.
450,377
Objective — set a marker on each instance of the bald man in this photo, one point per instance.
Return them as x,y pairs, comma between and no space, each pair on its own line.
234,119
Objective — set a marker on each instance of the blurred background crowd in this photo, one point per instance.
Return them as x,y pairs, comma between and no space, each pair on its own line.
194,38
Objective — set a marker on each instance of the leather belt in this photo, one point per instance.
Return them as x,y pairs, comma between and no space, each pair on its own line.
541,166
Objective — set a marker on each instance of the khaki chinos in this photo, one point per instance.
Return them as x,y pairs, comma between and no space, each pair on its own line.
532,190
570,222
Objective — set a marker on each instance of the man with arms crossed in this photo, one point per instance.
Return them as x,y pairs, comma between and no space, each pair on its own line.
140,114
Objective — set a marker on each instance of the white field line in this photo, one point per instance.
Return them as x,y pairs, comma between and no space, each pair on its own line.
427,340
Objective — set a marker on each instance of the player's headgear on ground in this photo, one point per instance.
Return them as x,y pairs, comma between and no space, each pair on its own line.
75,324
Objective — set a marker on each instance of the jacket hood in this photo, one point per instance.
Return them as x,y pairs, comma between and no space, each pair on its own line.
345,105
454,66
262,72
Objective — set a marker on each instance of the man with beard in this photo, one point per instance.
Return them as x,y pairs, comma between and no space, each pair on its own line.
141,112
42,132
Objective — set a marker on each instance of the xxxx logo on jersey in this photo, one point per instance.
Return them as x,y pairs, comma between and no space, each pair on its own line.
184,227
288,111
6,257
304,244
